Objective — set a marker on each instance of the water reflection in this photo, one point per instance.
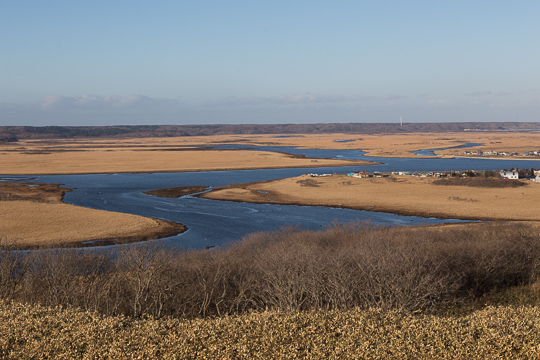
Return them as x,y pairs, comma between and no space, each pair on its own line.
215,223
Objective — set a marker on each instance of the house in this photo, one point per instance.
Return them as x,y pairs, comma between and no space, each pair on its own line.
536,174
509,174
361,174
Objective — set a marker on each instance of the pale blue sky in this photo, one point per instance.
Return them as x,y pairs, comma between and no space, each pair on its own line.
201,62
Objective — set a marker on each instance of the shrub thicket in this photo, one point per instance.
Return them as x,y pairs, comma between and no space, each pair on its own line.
488,182
345,266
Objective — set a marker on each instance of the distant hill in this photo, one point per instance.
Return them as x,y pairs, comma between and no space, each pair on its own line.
13,133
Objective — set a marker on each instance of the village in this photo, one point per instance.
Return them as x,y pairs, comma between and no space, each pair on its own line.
512,174
500,153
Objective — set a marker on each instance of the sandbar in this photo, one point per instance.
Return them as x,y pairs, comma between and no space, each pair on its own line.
176,192
34,216
38,157
403,195
193,153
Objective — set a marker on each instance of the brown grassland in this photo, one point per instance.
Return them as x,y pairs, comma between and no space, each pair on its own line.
397,194
102,155
31,332
350,291
108,155
389,145
386,145
34,215
33,222
33,157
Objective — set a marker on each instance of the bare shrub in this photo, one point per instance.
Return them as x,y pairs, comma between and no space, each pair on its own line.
11,269
68,278
145,272
308,182
488,182
344,266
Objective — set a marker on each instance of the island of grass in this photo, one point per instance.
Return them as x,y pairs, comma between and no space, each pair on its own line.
176,192
34,216
100,156
405,195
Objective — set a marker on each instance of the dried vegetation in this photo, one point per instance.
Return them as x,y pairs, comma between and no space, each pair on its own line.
27,332
485,182
351,291
343,267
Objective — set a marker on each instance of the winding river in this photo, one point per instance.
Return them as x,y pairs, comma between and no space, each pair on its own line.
217,223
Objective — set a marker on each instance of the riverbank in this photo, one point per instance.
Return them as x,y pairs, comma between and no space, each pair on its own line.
143,155
34,216
176,192
194,153
402,195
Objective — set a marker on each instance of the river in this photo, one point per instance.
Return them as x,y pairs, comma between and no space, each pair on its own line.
218,223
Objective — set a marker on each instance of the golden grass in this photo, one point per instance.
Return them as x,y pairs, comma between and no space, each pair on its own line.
402,145
390,145
30,332
77,156
105,155
401,194
136,155
35,216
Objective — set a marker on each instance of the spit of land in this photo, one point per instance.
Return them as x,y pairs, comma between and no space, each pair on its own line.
192,153
398,194
36,222
34,215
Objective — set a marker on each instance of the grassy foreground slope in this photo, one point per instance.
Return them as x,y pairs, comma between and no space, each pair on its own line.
28,332
464,292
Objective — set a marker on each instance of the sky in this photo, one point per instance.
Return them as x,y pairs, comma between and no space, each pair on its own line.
120,62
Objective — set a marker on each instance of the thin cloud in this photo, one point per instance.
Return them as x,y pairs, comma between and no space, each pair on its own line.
442,102
307,98
86,101
396,97
479,93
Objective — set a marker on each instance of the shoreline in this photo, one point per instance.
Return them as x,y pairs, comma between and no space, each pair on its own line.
173,230
176,192
35,160
355,163
37,217
373,208
508,158
401,196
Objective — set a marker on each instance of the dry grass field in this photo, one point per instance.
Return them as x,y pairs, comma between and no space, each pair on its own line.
399,194
141,155
390,145
34,215
100,155
107,155
507,332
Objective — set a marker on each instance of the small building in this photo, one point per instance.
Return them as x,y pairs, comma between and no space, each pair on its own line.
510,174
361,174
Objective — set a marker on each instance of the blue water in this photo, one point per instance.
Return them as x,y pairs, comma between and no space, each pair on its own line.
430,151
218,223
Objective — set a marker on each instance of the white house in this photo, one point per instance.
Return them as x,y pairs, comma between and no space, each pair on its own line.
512,174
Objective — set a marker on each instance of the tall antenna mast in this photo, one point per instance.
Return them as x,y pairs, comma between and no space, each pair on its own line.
401,121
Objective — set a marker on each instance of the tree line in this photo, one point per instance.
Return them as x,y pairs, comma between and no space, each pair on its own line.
343,267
